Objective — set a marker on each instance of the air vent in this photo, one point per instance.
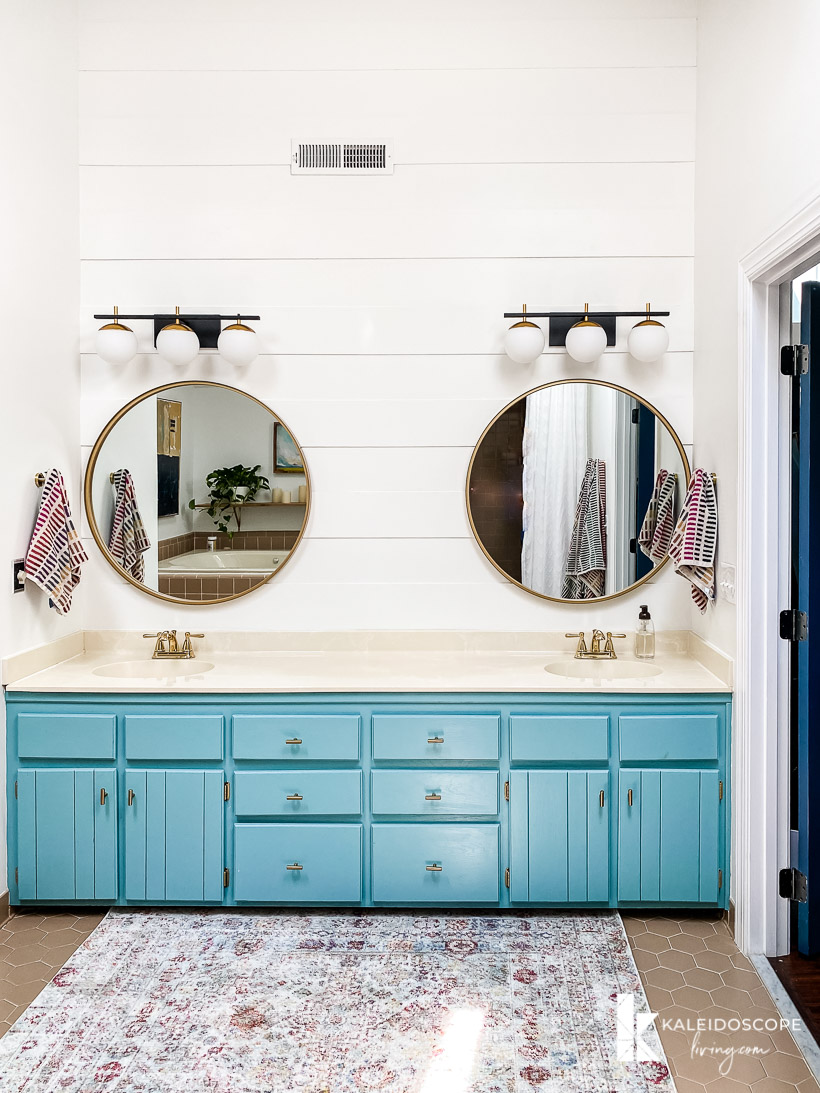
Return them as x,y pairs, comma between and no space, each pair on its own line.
338,159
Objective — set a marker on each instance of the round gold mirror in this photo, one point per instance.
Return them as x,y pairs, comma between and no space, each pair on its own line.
574,489
197,493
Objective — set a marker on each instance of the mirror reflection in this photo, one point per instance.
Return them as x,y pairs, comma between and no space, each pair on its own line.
575,488
197,492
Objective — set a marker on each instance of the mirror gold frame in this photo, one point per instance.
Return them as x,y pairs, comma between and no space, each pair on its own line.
556,383
89,507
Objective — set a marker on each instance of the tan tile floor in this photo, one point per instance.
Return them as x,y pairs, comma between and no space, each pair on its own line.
691,968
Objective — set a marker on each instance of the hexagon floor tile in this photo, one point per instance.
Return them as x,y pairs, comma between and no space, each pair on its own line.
692,969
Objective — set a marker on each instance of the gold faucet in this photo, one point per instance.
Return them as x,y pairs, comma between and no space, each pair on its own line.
595,652
167,646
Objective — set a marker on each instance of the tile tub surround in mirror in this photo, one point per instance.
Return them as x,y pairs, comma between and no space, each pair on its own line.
574,488
158,531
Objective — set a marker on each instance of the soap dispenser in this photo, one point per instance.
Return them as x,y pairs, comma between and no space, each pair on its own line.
645,635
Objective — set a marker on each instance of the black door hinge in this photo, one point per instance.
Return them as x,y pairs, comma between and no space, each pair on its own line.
793,885
633,546
635,416
794,360
794,625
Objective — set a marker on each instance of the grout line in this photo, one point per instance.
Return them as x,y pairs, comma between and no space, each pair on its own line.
806,1043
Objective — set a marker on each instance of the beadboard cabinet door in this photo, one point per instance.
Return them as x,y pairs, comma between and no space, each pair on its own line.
559,822
174,832
67,834
668,836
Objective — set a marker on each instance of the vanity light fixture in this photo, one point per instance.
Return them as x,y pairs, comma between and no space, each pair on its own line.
177,343
586,340
648,340
238,344
116,343
524,341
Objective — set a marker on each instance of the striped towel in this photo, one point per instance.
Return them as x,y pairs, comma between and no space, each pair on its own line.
585,569
659,522
55,553
128,541
693,545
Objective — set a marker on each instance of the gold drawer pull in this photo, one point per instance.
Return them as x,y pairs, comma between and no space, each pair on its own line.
103,795
433,868
131,796
601,798
295,866
295,740
432,796
629,797
435,739
294,797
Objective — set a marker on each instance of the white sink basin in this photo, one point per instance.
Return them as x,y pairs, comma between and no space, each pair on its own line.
153,669
602,669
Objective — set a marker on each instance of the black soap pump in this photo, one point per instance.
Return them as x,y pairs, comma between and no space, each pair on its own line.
645,635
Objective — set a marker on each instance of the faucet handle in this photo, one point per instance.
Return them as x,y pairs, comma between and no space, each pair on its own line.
582,645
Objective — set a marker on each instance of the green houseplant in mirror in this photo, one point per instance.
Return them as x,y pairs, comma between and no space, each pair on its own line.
229,488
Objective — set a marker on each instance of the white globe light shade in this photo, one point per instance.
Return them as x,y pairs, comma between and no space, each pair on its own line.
586,341
238,344
116,344
648,341
177,343
524,342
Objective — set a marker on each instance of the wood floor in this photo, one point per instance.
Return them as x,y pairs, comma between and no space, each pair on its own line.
800,975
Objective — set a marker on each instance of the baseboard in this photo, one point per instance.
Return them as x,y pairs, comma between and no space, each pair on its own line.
730,917
5,911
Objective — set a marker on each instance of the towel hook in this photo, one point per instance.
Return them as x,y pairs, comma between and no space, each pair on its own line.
111,478
39,479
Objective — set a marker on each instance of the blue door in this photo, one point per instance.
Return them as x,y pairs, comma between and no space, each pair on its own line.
559,836
67,834
806,655
174,835
668,842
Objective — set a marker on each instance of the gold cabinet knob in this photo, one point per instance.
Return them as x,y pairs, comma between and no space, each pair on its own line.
103,795
294,797
131,796
433,868
295,740
295,867
435,739
432,797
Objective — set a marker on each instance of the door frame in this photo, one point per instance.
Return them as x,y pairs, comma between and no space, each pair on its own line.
760,738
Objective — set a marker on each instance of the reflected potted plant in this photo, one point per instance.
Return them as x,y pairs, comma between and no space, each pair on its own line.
229,488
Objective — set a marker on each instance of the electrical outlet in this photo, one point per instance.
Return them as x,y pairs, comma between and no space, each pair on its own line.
726,582
18,566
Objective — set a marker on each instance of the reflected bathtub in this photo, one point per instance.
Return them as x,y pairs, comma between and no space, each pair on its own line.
224,561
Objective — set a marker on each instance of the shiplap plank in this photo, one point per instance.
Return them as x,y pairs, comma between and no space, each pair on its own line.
278,39
619,115
386,305
419,212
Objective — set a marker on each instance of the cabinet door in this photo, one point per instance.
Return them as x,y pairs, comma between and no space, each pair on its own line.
668,847
560,836
174,833
67,834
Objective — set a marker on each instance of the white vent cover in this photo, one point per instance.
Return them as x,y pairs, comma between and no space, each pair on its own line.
341,158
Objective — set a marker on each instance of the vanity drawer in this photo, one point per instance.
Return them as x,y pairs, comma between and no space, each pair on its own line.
172,737
296,737
330,857
66,736
436,736
456,792
682,737
322,793
558,738
466,858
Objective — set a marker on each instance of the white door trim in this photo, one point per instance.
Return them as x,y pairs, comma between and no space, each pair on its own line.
760,753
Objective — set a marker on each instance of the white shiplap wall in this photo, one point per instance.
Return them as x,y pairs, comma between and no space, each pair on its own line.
544,152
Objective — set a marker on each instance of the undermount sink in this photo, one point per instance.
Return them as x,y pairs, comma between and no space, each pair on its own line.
602,669
153,669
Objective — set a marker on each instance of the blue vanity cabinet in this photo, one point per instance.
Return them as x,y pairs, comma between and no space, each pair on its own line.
174,836
66,834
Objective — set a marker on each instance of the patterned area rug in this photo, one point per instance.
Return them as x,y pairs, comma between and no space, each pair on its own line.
269,1002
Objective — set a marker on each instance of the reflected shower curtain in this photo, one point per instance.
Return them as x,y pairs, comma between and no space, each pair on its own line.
556,439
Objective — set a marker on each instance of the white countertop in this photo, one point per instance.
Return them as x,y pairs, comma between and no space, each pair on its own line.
121,663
